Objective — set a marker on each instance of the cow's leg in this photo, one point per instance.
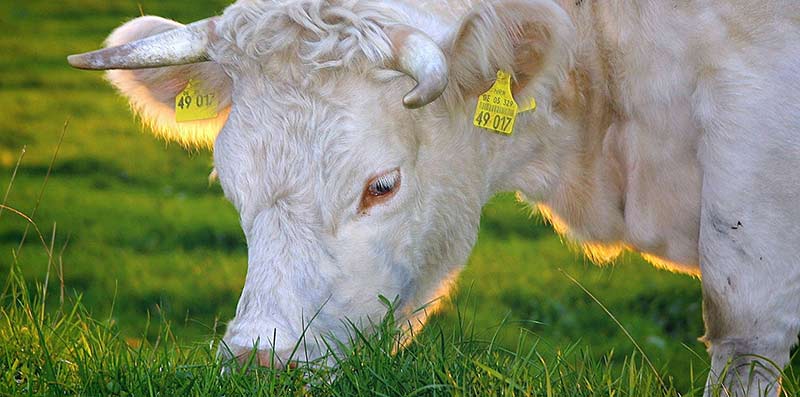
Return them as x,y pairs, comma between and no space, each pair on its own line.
750,327
751,278
751,282
749,228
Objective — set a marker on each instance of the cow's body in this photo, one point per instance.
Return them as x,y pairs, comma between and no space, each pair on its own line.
671,128
694,161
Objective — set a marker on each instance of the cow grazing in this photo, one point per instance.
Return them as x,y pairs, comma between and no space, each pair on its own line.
344,135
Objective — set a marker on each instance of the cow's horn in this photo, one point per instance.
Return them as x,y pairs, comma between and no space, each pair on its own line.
184,45
418,56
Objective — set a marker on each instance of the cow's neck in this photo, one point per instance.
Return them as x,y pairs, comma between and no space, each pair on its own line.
572,161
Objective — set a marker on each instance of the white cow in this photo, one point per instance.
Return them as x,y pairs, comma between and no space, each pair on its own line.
668,127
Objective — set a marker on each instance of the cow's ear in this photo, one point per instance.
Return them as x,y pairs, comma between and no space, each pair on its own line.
530,39
152,92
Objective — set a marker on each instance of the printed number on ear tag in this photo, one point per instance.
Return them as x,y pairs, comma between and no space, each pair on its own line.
193,104
497,110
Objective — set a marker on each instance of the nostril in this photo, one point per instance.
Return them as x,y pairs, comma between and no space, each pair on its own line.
263,358
268,359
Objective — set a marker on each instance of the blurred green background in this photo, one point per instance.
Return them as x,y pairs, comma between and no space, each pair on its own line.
142,230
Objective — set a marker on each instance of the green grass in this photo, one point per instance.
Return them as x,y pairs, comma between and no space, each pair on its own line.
153,261
66,351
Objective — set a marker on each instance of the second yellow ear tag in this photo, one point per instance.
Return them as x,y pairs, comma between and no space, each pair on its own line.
193,104
497,110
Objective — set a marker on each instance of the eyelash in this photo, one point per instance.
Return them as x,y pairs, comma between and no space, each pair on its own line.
384,184
379,190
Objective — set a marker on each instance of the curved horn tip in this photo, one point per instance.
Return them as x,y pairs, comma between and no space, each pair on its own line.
419,97
419,57
412,100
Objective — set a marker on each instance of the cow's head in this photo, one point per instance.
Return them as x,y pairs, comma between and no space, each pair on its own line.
345,141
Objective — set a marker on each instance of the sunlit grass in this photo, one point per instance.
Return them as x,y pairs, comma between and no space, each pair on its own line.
64,350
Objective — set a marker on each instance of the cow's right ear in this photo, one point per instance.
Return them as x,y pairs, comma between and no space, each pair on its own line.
530,39
151,92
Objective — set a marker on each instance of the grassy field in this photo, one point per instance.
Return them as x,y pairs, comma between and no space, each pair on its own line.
153,260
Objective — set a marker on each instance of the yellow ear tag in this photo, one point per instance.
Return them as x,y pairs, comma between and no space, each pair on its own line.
193,104
497,110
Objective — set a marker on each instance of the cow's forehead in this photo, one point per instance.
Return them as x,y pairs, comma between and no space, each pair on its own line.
325,108
314,113
300,36
320,140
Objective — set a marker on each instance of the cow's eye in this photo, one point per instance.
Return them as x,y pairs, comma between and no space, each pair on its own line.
379,189
384,184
